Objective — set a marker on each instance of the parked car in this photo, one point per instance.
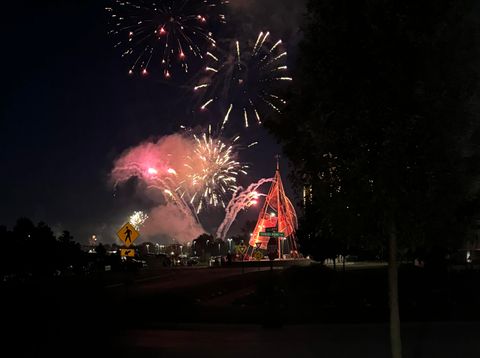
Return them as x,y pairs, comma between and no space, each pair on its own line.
194,260
216,261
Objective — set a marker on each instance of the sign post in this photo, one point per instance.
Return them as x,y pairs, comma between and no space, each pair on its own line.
241,249
272,251
272,248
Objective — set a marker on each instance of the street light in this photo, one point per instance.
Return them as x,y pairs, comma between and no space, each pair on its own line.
229,244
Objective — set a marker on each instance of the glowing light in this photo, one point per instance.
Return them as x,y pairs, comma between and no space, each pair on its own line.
152,171
212,56
279,212
137,219
204,85
206,104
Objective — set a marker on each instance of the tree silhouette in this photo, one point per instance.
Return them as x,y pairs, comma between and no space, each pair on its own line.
34,252
387,139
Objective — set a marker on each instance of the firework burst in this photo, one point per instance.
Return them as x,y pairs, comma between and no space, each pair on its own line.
212,171
163,33
245,81
137,219
192,171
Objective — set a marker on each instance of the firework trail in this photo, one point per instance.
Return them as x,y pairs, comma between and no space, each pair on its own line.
163,33
245,81
241,200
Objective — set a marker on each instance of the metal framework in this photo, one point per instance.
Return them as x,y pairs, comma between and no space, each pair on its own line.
278,213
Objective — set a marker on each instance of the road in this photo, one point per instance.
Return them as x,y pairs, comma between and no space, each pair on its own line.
421,340
208,312
171,279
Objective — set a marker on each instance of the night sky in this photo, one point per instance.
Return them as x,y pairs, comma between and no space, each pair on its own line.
68,109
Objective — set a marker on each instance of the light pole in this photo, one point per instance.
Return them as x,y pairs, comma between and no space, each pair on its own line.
229,245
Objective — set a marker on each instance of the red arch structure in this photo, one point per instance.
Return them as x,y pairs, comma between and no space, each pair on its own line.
278,213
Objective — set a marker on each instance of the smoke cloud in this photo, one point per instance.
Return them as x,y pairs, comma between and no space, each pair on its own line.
161,155
169,222
282,17
158,167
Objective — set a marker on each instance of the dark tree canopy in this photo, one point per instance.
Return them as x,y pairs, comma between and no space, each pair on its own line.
382,125
34,251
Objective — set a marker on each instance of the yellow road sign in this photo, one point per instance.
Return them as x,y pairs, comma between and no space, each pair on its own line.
258,255
127,252
241,249
128,234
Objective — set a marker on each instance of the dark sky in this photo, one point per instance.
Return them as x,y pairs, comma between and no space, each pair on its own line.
68,109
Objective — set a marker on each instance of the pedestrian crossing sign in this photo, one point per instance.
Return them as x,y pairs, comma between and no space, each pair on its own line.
128,234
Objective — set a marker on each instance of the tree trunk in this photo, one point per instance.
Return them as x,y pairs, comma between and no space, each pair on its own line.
395,338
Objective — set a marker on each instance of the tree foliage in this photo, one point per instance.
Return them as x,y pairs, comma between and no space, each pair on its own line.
382,124
34,251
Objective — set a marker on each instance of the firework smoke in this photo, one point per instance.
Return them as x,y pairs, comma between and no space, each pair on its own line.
154,165
191,174
241,200
167,221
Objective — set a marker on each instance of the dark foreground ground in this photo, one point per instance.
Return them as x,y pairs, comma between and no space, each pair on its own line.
210,312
